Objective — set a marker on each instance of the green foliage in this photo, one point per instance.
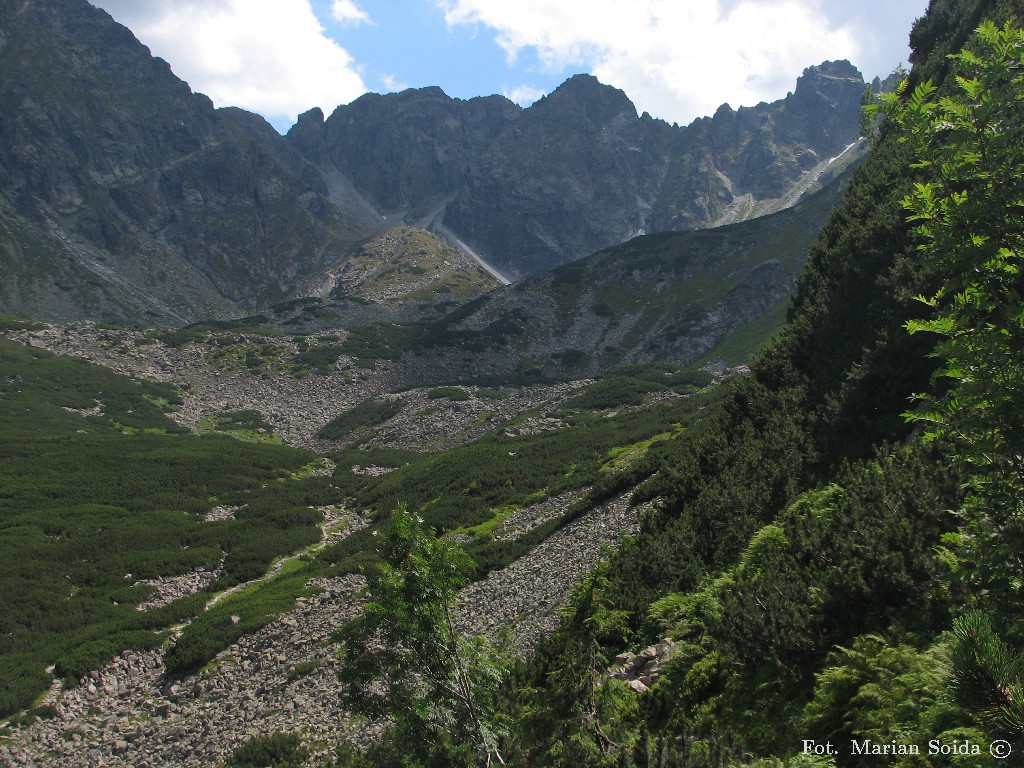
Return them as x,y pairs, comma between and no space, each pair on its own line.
968,145
666,374
303,669
807,562
720,480
836,562
448,393
989,677
14,323
207,329
887,692
247,610
461,487
246,425
368,413
26,718
405,658
614,392
100,490
281,750
490,394
319,358
93,654
232,420
379,341
797,761
571,714
969,216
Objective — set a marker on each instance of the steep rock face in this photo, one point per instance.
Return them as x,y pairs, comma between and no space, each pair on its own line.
105,147
126,196
579,170
726,164
408,152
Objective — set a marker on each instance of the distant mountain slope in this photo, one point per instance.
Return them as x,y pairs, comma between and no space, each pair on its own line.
709,297
406,264
124,196
124,193
578,171
673,297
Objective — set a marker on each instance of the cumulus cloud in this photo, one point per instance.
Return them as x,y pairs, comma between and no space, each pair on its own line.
392,83
348,12
523,95
268,56
677,60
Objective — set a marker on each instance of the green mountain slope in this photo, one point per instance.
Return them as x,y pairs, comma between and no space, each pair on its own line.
102,494
801,548
405,265
798,558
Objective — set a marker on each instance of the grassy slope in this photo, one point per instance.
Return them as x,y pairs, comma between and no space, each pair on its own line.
96,498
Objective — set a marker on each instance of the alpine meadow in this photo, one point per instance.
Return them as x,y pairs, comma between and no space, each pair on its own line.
442,432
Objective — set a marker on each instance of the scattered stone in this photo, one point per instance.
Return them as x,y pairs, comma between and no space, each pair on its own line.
222,512
638,686
171,588
130,714
526,594
641,670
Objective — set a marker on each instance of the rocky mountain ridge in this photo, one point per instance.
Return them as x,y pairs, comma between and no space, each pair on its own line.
707,298
579,170
681,297
124,196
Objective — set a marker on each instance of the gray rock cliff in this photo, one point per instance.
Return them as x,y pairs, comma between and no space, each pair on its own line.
126,196
108,157
579,170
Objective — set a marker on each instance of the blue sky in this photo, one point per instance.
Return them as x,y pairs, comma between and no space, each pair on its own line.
677,59
409,45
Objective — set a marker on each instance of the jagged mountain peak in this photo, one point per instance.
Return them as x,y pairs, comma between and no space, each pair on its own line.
529,189
586,97
431,96
132,193
832,80
314,116
839,68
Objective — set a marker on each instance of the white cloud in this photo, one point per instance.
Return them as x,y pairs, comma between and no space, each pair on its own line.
268,56
391,83
347,12
677,60
523,95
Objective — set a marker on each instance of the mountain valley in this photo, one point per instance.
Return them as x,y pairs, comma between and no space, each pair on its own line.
446,432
